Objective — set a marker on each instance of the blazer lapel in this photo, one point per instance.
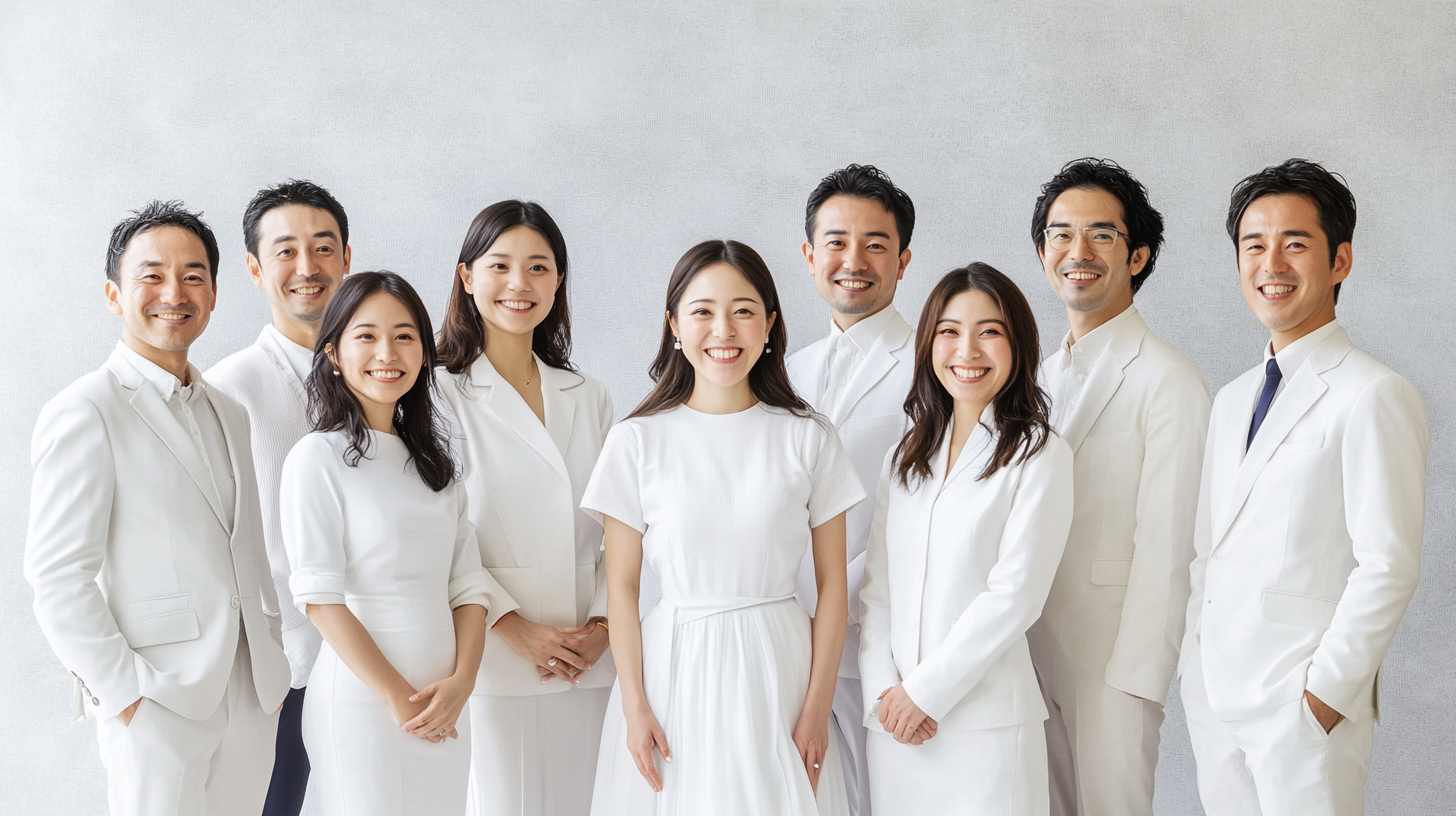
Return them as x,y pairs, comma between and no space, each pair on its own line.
877,364
502,398
918,552
229,421
560,410
1106,378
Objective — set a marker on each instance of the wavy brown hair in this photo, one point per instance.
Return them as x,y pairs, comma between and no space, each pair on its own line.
674,375
462,333
1021,406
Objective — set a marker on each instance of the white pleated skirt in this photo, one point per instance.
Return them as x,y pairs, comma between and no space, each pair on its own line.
981,772
536,755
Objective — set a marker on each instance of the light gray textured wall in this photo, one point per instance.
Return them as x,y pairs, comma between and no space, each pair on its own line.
647,126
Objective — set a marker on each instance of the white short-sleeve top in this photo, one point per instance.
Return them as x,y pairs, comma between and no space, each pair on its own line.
725,502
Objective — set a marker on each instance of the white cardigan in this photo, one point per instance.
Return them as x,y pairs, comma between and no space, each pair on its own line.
957,570
525,482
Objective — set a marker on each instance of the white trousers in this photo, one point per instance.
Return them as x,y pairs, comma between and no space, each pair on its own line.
981,772
537,755
1277,764
164,764
847,725
1102,747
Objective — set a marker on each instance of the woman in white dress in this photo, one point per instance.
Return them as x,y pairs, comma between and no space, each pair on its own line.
973,511
384,562
720,479
528,428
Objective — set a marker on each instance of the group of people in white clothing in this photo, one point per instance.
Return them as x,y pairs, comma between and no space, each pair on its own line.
903,570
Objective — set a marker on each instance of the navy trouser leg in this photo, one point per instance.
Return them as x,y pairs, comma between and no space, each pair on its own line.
290,763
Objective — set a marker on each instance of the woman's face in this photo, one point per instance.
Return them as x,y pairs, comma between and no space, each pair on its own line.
380,353
971,354
514,282
722,324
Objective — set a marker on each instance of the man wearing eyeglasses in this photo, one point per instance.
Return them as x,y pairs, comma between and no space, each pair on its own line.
1135,412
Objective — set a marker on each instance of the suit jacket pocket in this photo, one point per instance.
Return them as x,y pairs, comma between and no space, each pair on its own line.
1300,445
158,629
1298,610
1111,571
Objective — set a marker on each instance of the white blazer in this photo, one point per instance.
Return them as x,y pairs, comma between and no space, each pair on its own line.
870,418
525,481
139,587
1308,545
957,570
1137,432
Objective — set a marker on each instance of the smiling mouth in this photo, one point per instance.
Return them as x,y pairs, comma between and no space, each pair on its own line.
965,374
852,285
178,316
1081,276
724,354
1276,290
517,305
386,374
307,291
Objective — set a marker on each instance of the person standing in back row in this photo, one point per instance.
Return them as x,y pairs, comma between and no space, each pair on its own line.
858,226
1309,523
297,237
1135,413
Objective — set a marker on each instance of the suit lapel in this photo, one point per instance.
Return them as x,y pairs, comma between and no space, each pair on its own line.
926,494
502,398
228,421
1106,378
877,364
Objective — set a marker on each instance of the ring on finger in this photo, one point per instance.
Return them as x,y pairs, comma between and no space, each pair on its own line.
816,766
551,662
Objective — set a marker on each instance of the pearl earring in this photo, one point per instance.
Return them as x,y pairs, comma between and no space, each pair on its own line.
336,373
676,344
767,349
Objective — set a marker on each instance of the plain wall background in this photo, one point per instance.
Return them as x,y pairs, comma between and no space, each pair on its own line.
646,126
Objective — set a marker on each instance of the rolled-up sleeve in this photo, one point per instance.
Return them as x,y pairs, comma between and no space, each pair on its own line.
470,583
311,510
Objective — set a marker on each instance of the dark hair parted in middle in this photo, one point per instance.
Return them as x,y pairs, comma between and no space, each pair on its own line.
1021,408
674,375
863,181
332,406
1331,197
462,333
1144,224
155,215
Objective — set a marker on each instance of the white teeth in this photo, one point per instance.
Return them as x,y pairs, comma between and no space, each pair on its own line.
722,353
1081,276
1276,289
968,373
854,284
308,290
171,315
516,304
387,374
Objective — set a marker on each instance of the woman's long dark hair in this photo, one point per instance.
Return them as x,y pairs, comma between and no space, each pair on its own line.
462,333
671,371
332,406
1021,407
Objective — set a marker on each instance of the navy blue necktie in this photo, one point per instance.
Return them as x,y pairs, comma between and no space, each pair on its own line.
1272,376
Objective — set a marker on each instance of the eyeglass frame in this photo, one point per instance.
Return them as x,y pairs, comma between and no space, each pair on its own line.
1046,239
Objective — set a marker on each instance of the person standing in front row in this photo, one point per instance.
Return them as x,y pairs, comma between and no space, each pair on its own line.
720,480
972,514
1135,413
384,563
297,237
529,428
145,547
857,225
1309,523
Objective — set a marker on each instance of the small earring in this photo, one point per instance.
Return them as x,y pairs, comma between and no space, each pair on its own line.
767,349
677,344
336,373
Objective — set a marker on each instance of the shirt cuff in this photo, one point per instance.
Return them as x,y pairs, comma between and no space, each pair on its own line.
312,587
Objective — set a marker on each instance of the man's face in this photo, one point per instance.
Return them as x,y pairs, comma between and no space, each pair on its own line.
1086,277
1284,264
164,292
855,257
300,262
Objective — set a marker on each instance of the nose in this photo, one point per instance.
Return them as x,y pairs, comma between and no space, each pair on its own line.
173,292
723,325
518,281
854,258
1081,248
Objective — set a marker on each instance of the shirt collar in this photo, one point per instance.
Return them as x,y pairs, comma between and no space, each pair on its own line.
299,358
1292,356
866,332
1094,342
162,380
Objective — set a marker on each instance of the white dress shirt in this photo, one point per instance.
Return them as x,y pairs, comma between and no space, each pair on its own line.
847,350
1292,356
299,358
189,405
1080,358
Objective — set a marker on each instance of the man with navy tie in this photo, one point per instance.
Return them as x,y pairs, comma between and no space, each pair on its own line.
1309,525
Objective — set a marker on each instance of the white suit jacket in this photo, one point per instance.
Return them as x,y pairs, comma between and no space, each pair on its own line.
260,378
1308,545
957,570
525,482
139,587
870,418
1121,592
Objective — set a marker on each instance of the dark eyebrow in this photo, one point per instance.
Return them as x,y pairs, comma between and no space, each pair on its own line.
283,239
1103,224
156,263
528,257
995,320
734,300
872,233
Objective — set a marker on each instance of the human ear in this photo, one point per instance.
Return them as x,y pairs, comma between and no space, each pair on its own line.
1138,260
467,277
113,297
255,270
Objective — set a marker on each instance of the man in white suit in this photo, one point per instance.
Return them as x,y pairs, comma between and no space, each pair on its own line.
858,226
1135,413
297,239
1309,523
145,547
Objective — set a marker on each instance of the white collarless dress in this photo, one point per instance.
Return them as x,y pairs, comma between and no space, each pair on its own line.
725,504
401,557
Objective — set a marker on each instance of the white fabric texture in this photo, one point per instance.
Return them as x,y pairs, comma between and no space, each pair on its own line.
267,378
527,753
1102,746
401,556
725,504
981,772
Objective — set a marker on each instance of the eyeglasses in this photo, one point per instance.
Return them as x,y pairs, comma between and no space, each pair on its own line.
1102,239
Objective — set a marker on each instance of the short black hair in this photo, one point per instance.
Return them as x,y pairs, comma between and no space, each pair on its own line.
1144,223
1327,190
159,214
293,191
863,181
